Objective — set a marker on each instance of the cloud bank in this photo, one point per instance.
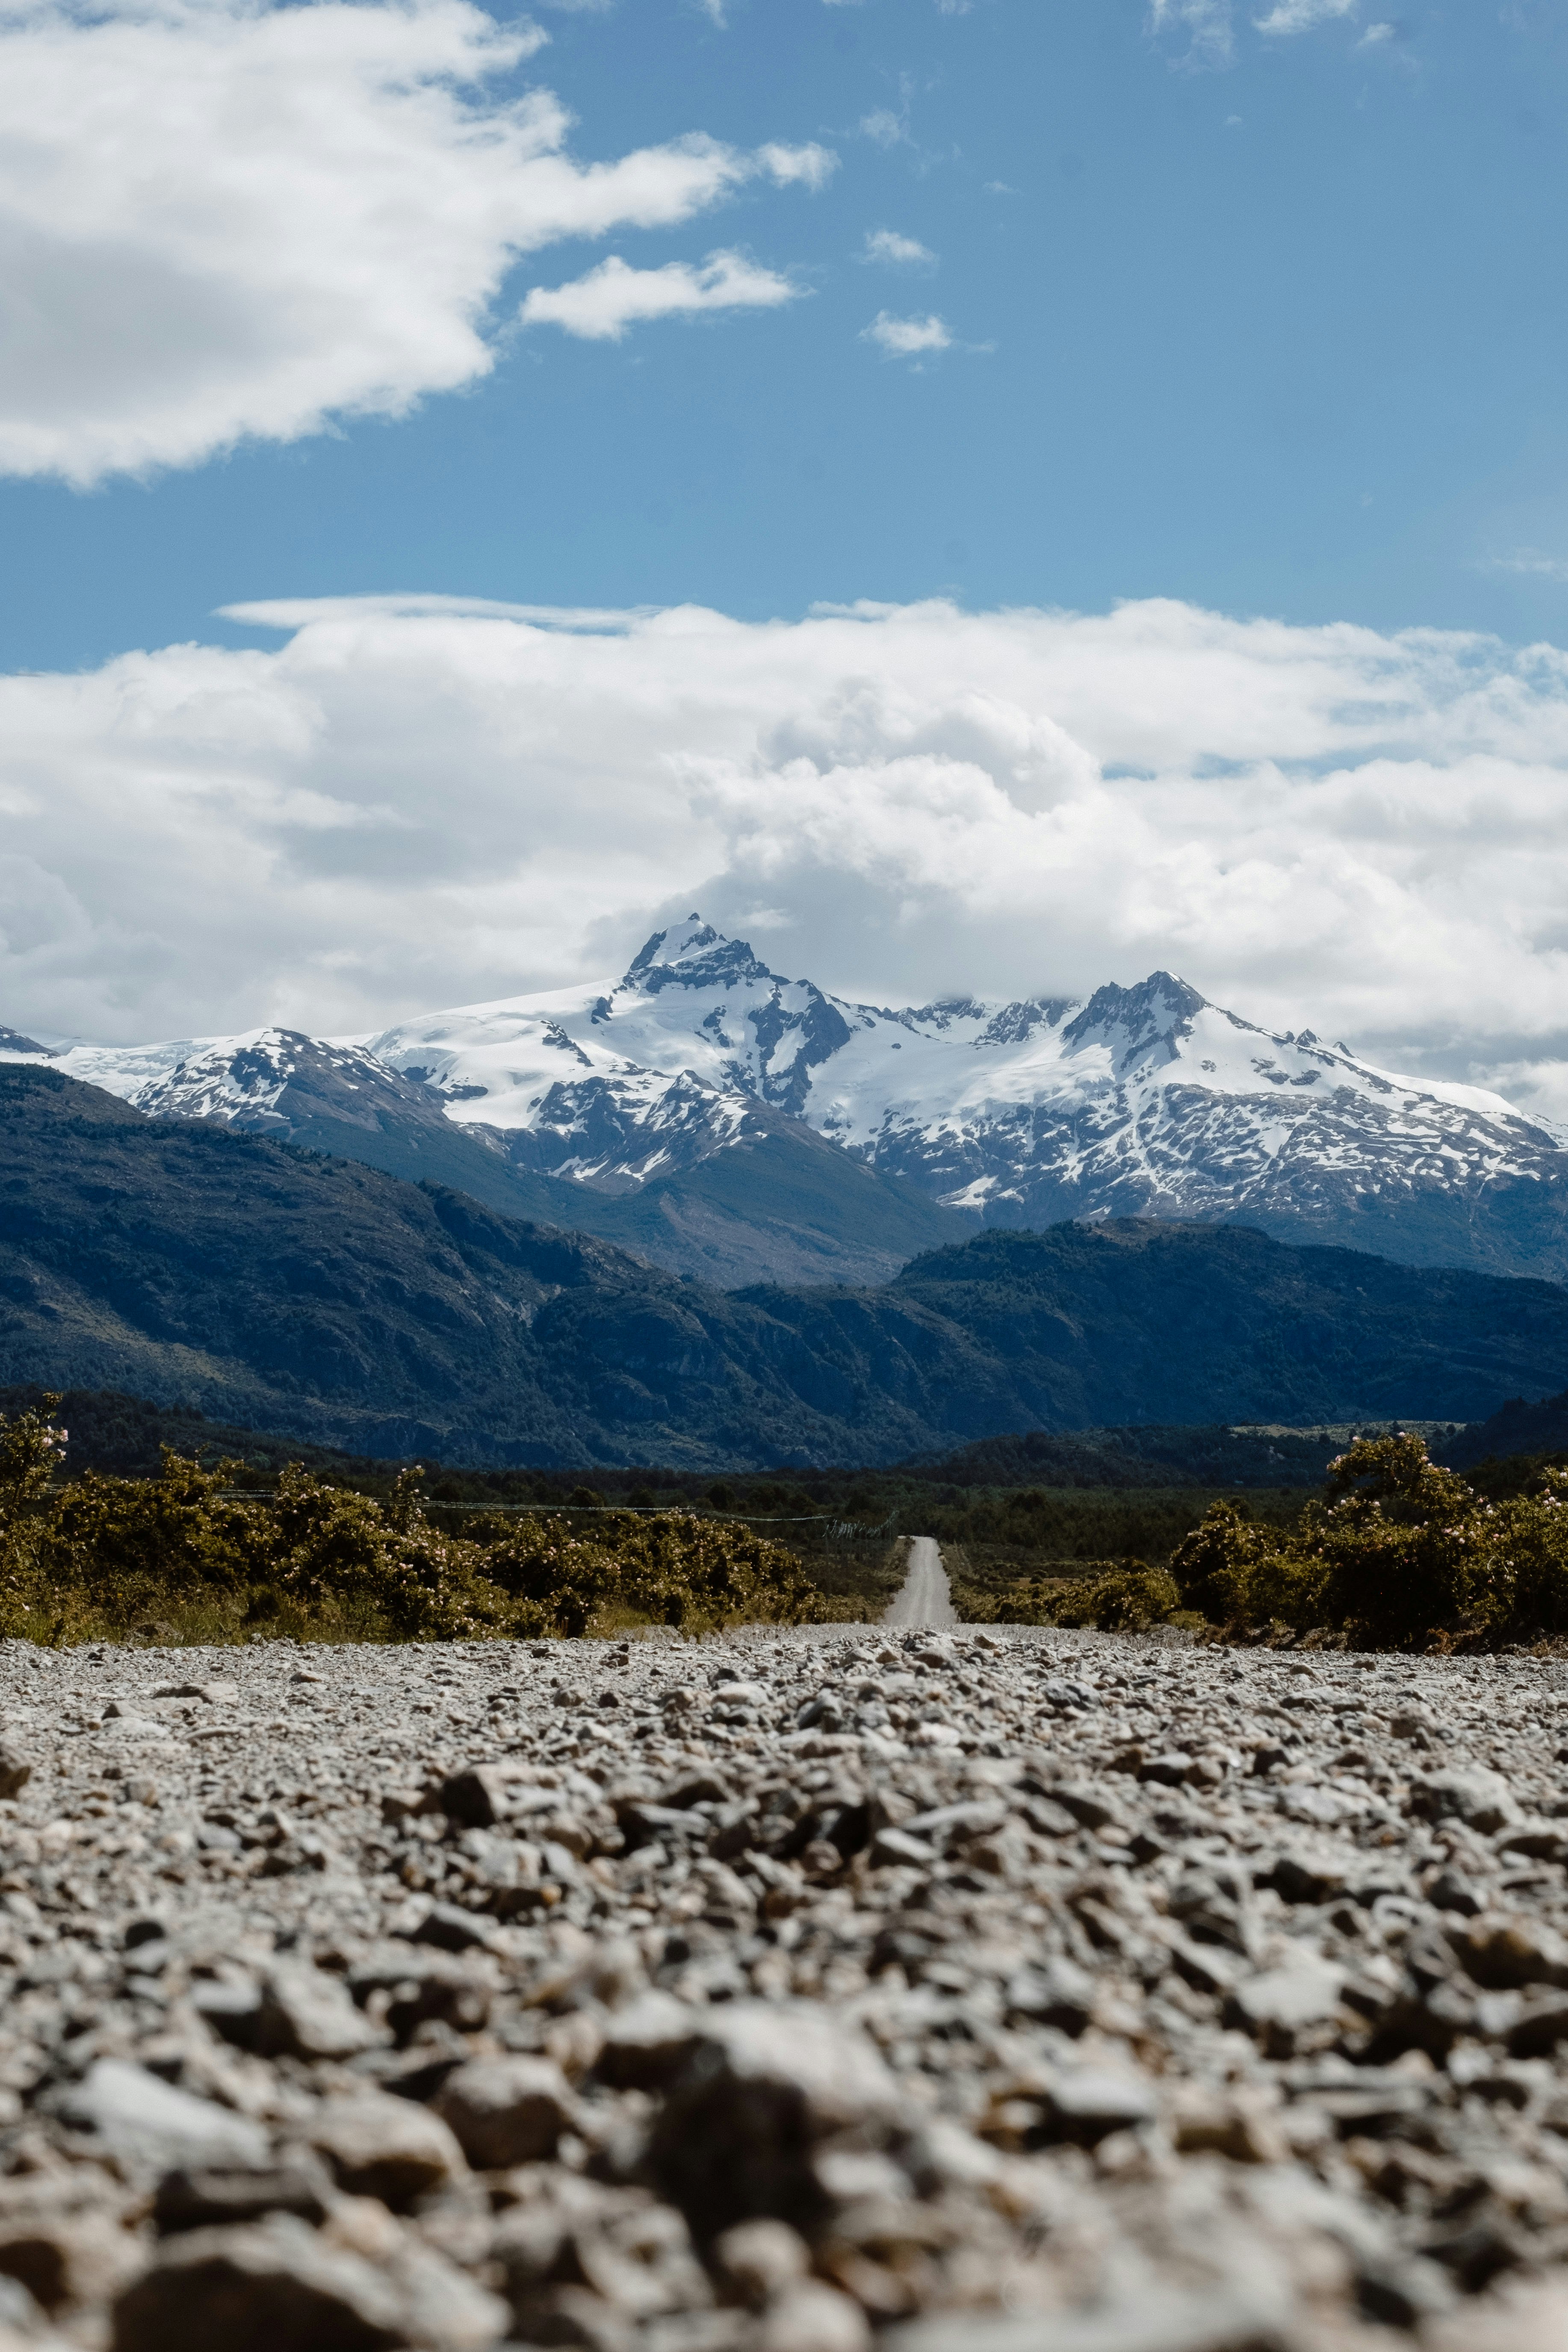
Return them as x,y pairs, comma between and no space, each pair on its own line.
218,221
412,803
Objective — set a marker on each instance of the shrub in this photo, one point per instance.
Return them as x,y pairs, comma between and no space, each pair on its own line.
1113,1596
106,1555
1399,1554
1124,1597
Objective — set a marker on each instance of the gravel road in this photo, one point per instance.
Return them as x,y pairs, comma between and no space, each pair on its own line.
949,1991
923,1599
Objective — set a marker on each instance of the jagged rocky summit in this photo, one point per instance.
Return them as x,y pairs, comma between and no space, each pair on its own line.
719,1119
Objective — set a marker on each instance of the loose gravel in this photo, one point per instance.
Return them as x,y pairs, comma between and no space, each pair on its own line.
955,1990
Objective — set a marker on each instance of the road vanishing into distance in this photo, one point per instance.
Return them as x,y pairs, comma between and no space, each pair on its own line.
923,1598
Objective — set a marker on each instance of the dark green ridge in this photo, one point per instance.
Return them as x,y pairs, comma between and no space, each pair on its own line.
313,1297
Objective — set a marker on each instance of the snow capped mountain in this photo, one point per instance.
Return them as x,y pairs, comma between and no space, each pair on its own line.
615,1085
244,1081
1146,1099
1143,1100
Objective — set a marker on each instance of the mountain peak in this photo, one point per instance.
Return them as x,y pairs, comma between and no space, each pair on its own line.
1144,1023
12,1042
692,954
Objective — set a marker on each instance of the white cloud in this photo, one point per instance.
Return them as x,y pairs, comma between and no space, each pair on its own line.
1301,16
907,339
419,802
613,296
218,220
1206,23
1532,559
1375,36
806,167
1209,25
884,127
899,252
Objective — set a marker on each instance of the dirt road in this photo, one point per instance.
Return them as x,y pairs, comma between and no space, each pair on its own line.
923,1598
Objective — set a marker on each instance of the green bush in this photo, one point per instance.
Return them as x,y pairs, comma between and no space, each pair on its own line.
1125,1597
1400,1554
178,1555
1113,1596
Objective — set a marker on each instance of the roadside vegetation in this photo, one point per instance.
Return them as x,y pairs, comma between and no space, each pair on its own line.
183,1556
1394,1553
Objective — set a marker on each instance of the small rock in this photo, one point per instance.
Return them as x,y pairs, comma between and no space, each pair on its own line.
1087,2103
811,2318
761,2085
1224,2320
306,2013
443,2309
1506,1954
506,2111
260,2289
1094,1808
1527,2316
149,2127
203,2198
897,1848
16,1769
385,2147
69,2258
646,2044
1477,1797
1278,2002
450,1929
1450,1892
758,2259
1059,1993
484,1794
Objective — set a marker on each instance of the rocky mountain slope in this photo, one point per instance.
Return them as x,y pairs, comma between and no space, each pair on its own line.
693,1177
722,1121
290,1292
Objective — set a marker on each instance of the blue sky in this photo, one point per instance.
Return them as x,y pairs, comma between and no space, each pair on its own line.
1269,322
436,452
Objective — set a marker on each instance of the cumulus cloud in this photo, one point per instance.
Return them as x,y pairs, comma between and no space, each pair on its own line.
899,252
219,221
613,296
418,801
907,339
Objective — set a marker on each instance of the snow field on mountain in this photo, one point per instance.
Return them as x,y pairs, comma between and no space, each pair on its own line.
1143,1100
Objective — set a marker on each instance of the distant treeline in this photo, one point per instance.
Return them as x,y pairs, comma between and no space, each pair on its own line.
125,1435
